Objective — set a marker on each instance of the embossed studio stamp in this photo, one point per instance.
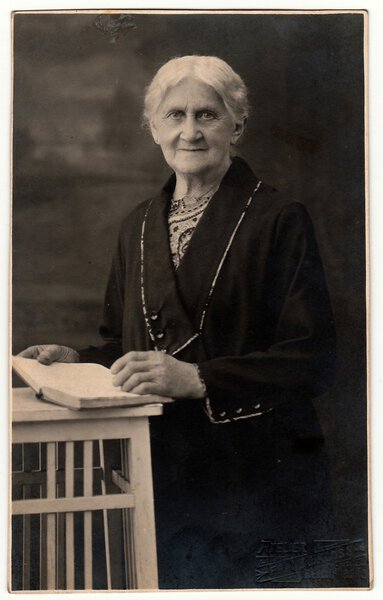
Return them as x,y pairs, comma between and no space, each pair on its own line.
294,562
115,26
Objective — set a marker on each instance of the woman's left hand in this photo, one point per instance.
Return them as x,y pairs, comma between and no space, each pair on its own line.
154,372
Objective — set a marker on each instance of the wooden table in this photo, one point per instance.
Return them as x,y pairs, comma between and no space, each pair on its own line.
38,422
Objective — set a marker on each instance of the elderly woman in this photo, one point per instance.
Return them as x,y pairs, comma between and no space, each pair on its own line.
217,298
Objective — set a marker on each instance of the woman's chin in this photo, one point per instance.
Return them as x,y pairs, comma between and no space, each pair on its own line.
194,165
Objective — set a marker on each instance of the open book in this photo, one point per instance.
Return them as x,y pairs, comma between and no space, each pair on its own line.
77,385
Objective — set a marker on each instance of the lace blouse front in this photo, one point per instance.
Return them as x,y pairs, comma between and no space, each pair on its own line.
183,217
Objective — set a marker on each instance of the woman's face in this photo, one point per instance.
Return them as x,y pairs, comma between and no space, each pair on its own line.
194,129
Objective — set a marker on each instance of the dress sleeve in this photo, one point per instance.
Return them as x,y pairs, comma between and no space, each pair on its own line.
300,360
111,328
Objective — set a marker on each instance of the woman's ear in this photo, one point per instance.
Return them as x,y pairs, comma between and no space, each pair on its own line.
238,130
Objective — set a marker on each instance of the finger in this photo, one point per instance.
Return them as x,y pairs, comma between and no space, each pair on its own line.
30,352
66,354
135,380
129,370
49,353
147,388
35,351
127,358
46,357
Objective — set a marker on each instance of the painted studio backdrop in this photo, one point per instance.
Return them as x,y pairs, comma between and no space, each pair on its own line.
82,161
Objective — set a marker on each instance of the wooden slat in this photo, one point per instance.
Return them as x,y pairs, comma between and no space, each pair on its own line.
115,528
26,544
60,544
129,524
119,480
43,551
51,518
43,528
69,517
79,503
140,476
41,475
111,428
105,519
27,408
130,562
26,528
88,491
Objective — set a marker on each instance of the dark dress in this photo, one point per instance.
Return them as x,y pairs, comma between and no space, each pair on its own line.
245,469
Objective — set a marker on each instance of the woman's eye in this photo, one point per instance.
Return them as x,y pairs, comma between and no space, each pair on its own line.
206,115
176,114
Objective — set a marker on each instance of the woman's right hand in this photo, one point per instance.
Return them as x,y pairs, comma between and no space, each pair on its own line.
49,353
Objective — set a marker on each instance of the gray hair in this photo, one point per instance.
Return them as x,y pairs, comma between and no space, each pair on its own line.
210,70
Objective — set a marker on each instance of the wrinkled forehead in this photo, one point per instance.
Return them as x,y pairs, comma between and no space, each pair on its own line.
191,94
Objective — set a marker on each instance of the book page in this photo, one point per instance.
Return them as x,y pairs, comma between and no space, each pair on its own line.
84,380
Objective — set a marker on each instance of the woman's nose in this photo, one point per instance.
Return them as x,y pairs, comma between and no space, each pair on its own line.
190,129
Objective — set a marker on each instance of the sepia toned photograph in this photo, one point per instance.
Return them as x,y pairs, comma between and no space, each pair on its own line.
189,318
